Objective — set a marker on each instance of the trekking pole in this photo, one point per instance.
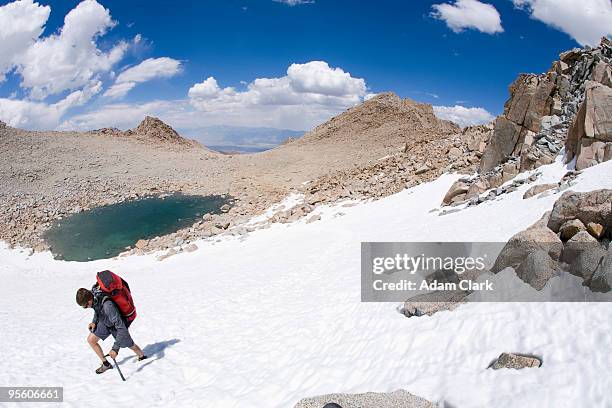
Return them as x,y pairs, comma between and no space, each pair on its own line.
117,366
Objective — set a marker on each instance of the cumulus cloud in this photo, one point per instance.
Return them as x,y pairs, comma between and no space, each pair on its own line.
40,115
311,84
469,14
70,59
585,21
463,116
145,71
21,23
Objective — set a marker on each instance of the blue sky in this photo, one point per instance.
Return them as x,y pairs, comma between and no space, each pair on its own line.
451,54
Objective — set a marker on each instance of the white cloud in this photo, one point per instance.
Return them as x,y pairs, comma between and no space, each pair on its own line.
207,89
294,2
469,14
70,59
309,94
147,70
21,23
318,78
119,90
586,21
39,115
311,84
463,116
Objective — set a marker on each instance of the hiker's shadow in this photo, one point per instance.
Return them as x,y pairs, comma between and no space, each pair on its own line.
154,352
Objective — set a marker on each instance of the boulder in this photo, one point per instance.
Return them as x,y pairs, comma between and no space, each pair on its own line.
591,153
602,73
593,206
509,171
602,277
522,91
141,244
595,229
537,237
494,180
477,188
459,187
539,106
515,361
537,268
571,56
397,399
540,188
529,101
571,228
501,145
583,254
594,122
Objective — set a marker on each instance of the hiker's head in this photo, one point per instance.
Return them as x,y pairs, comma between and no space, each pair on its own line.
84,298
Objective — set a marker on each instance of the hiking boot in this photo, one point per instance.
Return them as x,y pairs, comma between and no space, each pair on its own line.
105,366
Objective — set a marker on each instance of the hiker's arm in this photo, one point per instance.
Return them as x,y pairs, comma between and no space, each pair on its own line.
123,338
95,317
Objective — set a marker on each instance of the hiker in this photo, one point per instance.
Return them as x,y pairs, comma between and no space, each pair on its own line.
114,311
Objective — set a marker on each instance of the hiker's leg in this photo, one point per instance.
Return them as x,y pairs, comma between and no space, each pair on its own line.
92,339
137,350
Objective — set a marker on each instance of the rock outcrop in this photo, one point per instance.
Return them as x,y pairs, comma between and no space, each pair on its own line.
538,238
155,129
593,206
590,137
568,106
150,130
574,237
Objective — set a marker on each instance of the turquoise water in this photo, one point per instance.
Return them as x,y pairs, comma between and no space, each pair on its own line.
105,232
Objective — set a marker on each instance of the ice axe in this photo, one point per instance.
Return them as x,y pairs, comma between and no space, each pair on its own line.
117,367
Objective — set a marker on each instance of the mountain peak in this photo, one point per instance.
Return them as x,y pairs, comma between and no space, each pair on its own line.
154,128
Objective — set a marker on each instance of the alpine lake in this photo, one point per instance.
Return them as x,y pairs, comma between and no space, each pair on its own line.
105,232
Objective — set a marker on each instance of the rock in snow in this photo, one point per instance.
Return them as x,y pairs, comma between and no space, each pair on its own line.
515,361
396,399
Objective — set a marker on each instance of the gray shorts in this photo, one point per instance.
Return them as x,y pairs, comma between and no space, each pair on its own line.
102,331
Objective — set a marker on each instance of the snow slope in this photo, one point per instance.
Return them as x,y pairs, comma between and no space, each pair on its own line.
267,320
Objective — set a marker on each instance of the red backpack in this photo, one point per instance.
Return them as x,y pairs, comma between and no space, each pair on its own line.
119,292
